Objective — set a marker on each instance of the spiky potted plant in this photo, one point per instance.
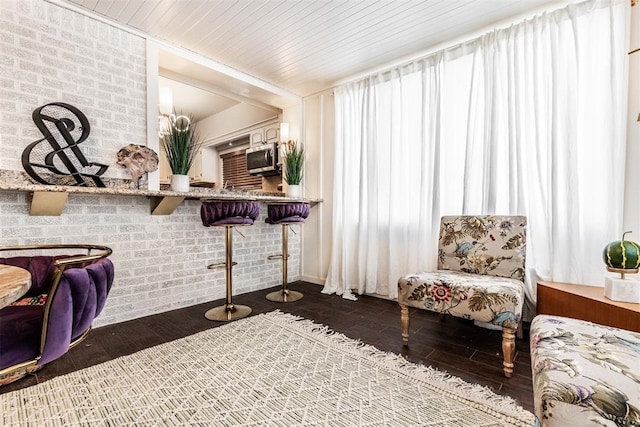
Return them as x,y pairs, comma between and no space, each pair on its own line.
181,144
293,159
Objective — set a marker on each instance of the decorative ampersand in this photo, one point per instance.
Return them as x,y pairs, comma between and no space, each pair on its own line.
64,127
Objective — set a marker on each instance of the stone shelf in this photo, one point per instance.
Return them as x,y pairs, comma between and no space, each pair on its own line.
50,200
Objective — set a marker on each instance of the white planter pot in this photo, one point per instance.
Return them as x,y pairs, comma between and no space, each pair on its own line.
293,191
180,183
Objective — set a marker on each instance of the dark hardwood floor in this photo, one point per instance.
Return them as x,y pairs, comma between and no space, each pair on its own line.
444,342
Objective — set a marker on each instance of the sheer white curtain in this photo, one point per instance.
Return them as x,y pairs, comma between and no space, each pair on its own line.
383,173
524,120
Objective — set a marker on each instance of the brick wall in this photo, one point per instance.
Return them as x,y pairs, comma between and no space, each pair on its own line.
48,53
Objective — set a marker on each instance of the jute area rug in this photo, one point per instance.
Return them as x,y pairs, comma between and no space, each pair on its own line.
271,369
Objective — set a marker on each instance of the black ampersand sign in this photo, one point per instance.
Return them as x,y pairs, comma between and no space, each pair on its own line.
64,127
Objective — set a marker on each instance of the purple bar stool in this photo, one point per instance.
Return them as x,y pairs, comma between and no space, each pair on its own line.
286,213
228,214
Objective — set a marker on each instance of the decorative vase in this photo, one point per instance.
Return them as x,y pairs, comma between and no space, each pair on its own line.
293,190
180,183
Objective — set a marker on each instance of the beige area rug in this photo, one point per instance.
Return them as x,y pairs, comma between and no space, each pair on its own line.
272,369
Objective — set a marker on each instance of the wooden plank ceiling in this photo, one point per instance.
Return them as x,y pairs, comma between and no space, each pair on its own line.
305,46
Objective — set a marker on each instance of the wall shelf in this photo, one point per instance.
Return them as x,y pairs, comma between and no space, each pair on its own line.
165,205
47,203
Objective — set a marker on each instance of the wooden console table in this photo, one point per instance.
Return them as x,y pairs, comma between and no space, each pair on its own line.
586,303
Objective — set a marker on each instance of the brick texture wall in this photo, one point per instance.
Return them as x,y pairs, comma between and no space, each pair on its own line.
47,54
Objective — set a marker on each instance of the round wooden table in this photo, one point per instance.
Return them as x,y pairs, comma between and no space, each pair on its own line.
14,282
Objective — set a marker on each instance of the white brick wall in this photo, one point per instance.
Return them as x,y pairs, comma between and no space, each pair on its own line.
47,54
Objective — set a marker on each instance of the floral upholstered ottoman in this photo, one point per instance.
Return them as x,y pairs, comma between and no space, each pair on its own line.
584,374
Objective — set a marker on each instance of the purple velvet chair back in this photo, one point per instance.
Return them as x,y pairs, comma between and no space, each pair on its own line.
41,269
78,299
76,289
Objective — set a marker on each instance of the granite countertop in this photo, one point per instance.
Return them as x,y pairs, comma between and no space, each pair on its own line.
195,192
20,182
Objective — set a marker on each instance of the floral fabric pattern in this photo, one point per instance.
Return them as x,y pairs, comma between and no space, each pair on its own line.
493,245
584,374
34,300
480,274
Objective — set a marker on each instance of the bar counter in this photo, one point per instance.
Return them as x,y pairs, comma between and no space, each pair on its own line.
49,200
161,256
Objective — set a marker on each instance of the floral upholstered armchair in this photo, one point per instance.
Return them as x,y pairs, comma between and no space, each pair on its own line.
480,276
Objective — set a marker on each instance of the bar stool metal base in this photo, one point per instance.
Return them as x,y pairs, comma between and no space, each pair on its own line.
226,313
284,295
229,311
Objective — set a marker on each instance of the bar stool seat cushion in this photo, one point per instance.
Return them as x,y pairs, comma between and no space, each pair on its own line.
231,212
279,213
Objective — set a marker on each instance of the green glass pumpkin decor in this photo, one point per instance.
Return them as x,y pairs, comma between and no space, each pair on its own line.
622,255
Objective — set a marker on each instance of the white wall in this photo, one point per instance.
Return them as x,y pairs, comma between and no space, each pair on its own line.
319,145
48,53
237,117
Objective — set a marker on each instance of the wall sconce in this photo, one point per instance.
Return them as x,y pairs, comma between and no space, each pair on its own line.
284,132
165,101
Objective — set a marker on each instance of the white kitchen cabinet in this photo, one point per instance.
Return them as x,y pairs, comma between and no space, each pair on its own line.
164,168
264,134
195,173
257,136
272,133
204,169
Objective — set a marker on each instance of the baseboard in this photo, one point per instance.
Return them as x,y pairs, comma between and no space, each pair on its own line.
311,279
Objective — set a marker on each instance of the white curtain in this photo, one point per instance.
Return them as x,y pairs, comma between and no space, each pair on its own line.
524,120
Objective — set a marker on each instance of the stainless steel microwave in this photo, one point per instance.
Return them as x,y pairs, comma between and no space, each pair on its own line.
263,160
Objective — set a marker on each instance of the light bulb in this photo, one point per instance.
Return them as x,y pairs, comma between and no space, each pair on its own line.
165,100
284,131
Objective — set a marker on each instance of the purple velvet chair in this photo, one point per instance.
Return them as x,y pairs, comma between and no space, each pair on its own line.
228,214
285,214
67,293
